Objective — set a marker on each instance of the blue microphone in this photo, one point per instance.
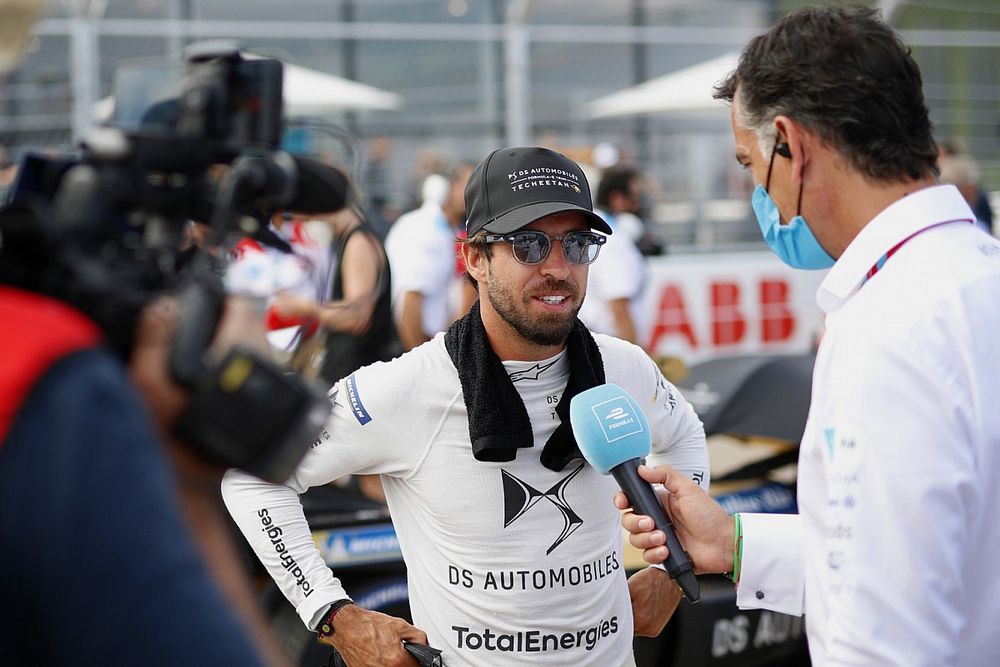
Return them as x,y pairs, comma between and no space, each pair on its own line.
613,434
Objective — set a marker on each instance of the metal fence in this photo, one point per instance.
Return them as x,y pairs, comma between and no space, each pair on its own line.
476,74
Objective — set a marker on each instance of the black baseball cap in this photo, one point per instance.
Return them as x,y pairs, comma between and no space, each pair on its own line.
513,187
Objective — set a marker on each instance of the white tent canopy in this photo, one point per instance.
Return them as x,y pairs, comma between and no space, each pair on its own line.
308,92
686,90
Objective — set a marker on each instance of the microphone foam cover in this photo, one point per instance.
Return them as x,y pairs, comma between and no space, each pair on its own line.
609,426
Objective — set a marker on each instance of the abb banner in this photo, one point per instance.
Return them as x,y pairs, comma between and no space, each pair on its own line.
701,306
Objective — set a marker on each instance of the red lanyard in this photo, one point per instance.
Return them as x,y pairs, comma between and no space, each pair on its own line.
877,266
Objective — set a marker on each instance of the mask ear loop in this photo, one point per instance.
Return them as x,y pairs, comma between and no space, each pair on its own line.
770,166
798,208
784,151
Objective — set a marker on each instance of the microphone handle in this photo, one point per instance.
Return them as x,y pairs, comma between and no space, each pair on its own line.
643,499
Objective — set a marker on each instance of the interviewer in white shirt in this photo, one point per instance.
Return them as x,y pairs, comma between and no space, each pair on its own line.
893,555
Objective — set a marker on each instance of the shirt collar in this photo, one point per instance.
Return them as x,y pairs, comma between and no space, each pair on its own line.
897,222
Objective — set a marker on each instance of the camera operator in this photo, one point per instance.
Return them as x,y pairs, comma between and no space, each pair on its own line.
101,524
99,566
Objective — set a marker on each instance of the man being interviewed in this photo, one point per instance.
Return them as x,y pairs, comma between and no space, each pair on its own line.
513,553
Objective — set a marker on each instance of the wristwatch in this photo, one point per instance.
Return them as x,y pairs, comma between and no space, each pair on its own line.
325,627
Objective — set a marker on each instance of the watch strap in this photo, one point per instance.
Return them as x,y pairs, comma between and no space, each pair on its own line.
325,627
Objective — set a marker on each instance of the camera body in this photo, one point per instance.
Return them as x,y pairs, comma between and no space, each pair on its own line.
224,105
105,227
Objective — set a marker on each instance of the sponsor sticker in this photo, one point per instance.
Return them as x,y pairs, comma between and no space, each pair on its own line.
357,407
495,640
364,544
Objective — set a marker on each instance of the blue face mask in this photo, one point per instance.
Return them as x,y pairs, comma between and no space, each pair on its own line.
793,243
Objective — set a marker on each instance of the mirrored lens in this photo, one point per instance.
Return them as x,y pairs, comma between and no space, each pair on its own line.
530,247
580,247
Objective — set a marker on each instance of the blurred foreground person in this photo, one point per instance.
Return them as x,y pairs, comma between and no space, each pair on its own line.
899,467
513,553
92,533
98,562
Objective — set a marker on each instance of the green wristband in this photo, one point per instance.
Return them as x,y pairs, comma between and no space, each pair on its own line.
737,548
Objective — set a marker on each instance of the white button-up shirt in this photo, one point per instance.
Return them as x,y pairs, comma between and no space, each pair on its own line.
421,249
619,272
895,555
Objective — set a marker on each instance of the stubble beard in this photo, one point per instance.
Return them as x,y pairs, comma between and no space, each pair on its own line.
546,329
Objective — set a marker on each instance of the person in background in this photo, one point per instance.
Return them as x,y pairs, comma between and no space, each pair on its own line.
421,249
981,205
355,326
617,278
428,162
513,554
291,257
354,314
377,186
960,170
899,466
337,310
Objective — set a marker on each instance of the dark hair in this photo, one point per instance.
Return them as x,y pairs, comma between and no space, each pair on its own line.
615,179
844,74
478,240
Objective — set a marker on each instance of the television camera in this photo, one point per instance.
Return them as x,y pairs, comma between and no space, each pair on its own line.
102,230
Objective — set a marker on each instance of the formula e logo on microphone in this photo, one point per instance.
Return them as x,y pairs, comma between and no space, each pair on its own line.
519,497
618,421
617,413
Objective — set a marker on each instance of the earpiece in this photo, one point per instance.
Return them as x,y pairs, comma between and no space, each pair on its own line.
783,150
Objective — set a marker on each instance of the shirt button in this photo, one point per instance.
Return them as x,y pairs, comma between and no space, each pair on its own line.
760,595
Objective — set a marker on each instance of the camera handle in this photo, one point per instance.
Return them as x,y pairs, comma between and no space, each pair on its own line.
202,302
245,411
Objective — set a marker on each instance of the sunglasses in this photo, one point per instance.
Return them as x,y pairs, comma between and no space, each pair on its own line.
532,247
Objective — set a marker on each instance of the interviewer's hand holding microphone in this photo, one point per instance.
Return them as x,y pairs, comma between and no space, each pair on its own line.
694,534
702,526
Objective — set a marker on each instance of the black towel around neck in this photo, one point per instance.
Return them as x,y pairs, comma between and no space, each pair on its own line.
498,422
